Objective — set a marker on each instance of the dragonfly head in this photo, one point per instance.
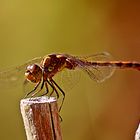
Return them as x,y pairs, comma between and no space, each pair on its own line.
33,73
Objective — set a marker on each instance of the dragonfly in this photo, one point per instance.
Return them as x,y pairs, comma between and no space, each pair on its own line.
42,70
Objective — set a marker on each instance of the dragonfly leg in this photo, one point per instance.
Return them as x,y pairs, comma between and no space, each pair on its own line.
36,86
42,85
47,89
63,93
53,89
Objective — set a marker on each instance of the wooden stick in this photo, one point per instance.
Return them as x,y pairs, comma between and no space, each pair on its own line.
41,118
137,136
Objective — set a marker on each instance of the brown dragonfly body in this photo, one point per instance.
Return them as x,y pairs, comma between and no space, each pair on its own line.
117,64
52,64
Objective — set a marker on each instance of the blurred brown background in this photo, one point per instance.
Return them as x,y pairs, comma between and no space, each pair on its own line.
28,29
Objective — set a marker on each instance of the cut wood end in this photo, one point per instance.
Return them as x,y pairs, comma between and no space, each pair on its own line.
41,118
43,99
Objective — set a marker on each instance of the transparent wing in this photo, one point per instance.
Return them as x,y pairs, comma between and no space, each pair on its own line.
15,76
98,73
96,57
67,79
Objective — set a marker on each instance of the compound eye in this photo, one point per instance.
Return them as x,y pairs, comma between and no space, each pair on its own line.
31,68
33,73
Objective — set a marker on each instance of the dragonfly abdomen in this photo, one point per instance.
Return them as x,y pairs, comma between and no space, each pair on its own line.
126,64
117,64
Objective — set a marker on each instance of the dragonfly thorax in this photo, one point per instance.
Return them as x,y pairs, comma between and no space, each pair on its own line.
52,64
33,73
